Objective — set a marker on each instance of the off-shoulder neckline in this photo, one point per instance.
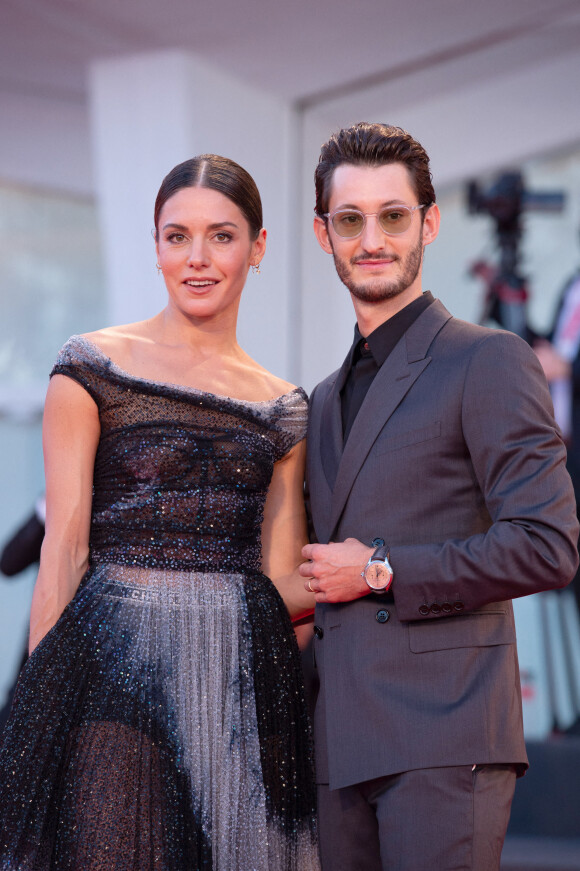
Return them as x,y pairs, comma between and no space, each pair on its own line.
181,387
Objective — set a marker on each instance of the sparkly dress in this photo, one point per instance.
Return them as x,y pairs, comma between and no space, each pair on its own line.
161,723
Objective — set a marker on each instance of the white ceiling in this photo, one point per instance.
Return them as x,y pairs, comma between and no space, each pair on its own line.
483,84
312,52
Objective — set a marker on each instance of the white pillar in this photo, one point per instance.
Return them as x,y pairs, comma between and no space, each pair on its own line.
328,317
150,112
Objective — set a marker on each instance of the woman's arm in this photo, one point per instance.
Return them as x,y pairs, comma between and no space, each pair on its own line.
284,532
71,432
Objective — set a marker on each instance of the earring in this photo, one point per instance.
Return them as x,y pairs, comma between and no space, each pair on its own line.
256,268
158,268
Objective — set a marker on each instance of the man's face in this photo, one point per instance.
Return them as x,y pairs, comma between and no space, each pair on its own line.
375,266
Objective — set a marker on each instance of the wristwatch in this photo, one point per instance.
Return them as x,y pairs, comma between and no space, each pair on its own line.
378,572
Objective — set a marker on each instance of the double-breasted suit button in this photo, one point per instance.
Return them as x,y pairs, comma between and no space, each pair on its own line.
458,606
446,607
382,616
435,608
319,632
424,610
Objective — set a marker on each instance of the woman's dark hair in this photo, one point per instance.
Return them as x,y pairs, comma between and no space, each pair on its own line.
373,145
218,174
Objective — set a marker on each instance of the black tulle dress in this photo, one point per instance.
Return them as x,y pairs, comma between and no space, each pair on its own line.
161,723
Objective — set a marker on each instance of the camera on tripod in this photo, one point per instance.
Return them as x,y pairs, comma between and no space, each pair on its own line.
506,289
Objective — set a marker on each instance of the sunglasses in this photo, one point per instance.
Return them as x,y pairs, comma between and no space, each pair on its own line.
392,220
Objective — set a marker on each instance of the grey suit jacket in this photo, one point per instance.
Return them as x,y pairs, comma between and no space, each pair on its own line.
455,460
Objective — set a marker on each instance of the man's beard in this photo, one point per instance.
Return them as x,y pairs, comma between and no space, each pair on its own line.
373,290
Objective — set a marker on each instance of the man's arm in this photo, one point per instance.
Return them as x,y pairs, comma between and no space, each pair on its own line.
518,460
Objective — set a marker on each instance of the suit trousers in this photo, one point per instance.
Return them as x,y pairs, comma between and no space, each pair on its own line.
434,819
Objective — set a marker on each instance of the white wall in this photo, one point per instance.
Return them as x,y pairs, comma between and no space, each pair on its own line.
46,143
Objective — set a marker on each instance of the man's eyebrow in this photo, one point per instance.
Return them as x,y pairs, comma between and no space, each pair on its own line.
395,202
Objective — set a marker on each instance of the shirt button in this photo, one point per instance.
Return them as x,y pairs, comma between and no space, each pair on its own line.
382,616
435,608
424,610
319,632
446,608
458,606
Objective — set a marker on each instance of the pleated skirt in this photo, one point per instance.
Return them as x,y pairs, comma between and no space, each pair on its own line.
161,724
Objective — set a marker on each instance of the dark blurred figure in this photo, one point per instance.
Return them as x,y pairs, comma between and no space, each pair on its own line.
21,551
559,355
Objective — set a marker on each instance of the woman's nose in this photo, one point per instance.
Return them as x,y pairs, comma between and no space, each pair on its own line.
198,253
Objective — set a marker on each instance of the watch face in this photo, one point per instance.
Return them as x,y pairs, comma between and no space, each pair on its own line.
377,575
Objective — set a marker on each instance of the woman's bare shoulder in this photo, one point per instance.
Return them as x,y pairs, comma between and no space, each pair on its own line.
279,386
115,341
271,385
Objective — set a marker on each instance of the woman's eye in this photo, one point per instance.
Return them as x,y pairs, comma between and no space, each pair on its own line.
176,237
223,237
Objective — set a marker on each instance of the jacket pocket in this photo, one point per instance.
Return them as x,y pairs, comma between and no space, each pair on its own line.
477,629
411,437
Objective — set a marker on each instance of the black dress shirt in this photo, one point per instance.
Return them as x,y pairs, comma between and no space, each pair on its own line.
368,355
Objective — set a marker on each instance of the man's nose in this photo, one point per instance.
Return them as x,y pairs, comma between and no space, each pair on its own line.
372,237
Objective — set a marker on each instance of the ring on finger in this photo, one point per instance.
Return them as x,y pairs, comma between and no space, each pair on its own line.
310,586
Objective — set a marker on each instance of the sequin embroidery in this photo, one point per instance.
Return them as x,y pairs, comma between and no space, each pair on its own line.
161,723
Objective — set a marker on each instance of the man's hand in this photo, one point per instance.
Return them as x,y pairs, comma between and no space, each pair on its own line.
334,570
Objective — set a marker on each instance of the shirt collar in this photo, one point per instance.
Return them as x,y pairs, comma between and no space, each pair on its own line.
383,339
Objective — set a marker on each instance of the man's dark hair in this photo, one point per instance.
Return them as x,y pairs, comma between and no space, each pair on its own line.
373,145
219,174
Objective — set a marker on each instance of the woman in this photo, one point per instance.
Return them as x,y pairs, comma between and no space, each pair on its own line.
160,721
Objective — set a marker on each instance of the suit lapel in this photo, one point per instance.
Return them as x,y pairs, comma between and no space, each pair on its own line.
331,439
395,378
324,448
319,493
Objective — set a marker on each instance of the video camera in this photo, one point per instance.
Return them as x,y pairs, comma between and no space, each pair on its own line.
504,201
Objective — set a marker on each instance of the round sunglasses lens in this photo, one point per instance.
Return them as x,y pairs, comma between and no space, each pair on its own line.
395,221
348,223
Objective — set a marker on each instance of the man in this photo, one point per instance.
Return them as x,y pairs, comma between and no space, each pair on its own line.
434,450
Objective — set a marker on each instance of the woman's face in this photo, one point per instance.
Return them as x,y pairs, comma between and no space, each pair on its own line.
205,250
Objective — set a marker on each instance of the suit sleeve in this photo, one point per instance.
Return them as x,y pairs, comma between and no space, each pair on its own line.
519,463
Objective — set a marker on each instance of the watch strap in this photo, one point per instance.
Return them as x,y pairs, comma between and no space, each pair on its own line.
381,553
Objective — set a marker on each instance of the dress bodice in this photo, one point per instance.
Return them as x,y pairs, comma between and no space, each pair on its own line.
181,475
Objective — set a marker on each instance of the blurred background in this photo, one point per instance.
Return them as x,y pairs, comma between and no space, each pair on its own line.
99,99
